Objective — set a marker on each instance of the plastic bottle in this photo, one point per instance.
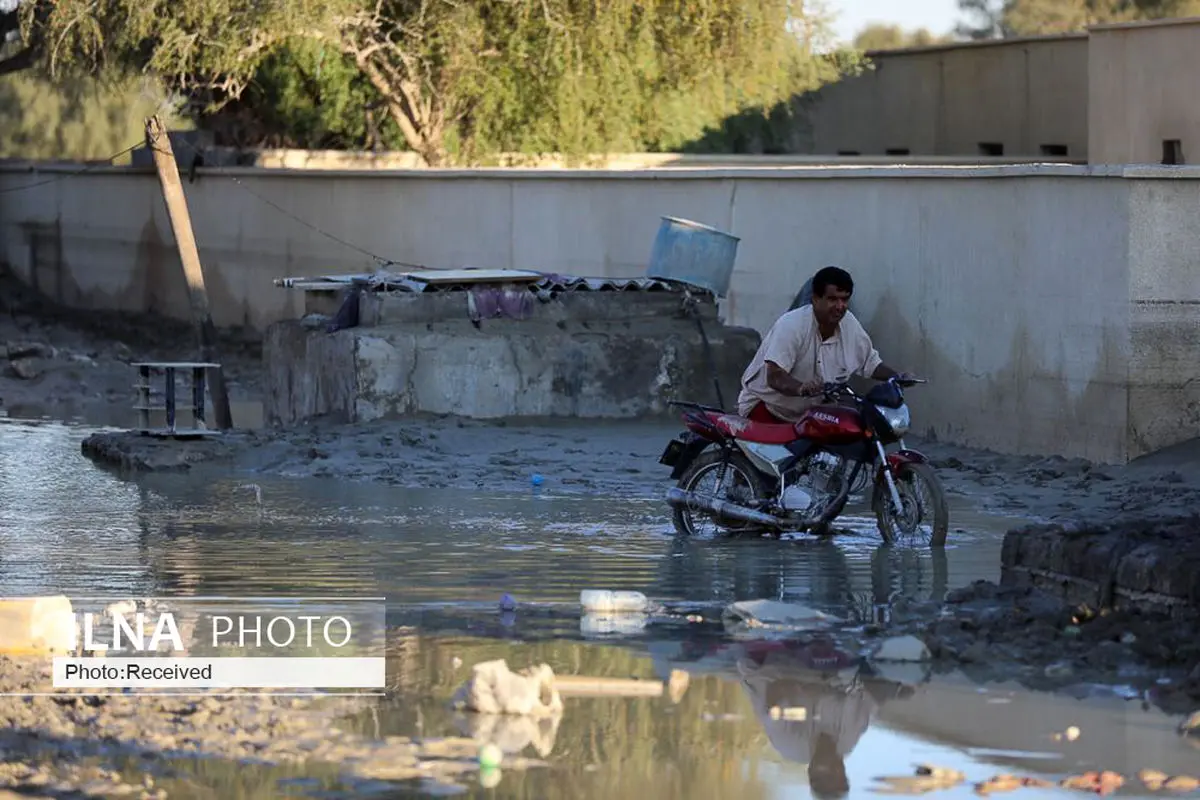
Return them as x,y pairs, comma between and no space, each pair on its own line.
604,601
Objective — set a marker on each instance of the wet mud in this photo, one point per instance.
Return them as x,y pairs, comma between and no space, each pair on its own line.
621,459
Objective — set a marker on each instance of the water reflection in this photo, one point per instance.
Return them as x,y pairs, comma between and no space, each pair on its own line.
763,719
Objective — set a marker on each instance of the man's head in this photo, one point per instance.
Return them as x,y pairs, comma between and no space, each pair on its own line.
831,290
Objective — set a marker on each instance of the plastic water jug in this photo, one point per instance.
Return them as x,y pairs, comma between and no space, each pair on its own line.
608,602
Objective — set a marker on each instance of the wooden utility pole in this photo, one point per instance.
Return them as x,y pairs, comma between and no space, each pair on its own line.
181,224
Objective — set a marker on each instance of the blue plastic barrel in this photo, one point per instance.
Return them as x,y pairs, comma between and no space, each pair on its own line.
695,254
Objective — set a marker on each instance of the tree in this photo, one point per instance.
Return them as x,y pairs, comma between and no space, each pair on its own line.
456,77
77,118
881,36
985,19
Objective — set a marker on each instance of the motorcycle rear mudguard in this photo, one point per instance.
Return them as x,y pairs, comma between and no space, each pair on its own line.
681,452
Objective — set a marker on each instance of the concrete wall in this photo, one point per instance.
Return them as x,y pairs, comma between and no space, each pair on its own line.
948,100
1164,296
1010,287
1143,91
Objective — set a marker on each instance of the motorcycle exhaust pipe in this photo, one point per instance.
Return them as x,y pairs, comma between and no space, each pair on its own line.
678,497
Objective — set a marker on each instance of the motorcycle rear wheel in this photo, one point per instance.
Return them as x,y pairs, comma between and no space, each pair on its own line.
908,478
737,468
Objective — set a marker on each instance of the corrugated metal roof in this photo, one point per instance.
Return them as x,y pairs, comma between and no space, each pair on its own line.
461,280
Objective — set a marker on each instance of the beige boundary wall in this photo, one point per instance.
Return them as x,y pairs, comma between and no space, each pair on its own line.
1054,308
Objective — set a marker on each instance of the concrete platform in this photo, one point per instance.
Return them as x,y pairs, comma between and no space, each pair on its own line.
1152,565
593,355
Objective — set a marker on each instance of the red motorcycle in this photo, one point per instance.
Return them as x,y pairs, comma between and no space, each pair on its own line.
799,477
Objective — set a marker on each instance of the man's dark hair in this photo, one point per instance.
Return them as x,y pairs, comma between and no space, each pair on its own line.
832,276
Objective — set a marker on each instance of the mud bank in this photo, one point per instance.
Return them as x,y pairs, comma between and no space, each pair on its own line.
622,458
1144,564
996,633
83,745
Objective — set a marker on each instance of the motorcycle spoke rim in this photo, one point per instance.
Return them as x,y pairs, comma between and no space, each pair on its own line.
721,492
915,523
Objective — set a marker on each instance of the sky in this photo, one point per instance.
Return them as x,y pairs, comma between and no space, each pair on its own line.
938,16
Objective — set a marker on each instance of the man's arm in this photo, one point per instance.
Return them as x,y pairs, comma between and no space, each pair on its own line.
883,372
782,381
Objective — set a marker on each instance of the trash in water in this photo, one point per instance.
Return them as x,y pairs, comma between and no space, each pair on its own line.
1070,735
1155,780
1100,782
600,600
928,778
612,624
773,614
1009,783
494,689
536,479
490,756
508,602
587,686
677,684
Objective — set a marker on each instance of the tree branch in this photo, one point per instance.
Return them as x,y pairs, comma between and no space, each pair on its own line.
20,61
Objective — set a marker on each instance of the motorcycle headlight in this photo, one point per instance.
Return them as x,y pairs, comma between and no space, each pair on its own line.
897,418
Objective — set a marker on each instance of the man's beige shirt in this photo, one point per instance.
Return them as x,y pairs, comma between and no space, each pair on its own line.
794,343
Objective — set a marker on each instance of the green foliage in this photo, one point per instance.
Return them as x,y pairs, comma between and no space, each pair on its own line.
307,95
77,118
880,36
459,81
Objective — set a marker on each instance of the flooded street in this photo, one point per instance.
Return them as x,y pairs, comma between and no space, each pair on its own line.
443,557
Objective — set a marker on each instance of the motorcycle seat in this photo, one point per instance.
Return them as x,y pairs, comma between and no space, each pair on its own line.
758,432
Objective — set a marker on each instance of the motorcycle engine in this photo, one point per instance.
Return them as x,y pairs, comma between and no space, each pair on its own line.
824,471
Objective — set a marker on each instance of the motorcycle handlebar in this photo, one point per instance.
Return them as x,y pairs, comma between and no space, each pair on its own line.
834,389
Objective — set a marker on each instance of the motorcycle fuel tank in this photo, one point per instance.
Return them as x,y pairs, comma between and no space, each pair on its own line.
831,425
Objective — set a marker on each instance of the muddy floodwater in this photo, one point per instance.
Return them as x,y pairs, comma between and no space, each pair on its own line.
443,558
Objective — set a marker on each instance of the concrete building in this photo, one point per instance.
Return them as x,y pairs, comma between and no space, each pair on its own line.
1118,94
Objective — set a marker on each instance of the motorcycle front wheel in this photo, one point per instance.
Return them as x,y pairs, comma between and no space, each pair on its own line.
924,518
735,480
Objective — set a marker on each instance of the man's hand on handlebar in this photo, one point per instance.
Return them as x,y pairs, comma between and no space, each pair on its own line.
814,389
907,379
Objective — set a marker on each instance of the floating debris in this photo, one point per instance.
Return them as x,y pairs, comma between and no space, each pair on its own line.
927,778
1100,782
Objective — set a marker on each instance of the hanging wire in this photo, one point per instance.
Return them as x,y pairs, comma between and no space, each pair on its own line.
383,262
68,175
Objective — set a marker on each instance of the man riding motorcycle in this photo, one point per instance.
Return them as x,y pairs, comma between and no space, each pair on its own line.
806,348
